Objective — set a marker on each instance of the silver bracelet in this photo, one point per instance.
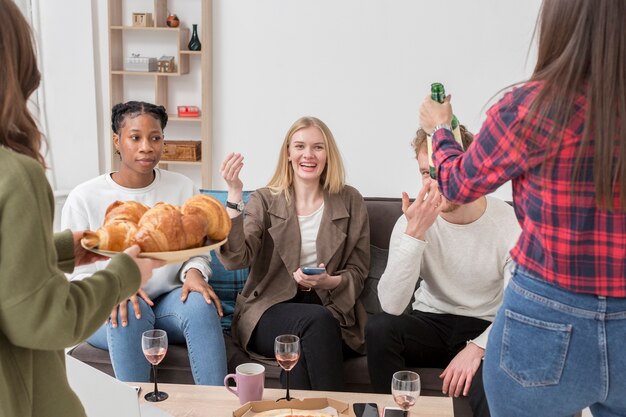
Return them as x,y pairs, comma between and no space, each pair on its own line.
441,126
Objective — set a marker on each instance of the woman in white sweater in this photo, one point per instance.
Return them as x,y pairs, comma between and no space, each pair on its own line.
178,299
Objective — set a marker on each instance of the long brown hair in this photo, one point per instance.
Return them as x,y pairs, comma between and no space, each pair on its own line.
19,78
582,50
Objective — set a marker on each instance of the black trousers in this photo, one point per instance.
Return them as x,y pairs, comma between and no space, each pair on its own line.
421,339
321,359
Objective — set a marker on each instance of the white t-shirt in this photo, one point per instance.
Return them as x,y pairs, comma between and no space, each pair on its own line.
464,268
309,227
86,205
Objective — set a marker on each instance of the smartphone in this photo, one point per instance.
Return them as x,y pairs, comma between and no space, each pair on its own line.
311,270
365,409
394,412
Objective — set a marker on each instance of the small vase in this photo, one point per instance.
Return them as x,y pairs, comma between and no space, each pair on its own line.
194,42
172,21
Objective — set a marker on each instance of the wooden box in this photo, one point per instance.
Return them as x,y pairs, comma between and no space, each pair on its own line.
142,19
181,150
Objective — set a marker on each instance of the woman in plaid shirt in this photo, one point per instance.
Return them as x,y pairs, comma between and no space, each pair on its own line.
556,345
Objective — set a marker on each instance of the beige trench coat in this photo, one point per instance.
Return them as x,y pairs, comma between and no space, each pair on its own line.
267,239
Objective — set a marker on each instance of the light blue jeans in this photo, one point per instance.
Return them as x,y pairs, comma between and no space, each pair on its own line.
193,322
552,352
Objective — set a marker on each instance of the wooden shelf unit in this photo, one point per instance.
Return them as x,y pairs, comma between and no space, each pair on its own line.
118,76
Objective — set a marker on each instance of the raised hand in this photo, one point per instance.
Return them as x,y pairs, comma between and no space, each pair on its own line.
422,213
229,170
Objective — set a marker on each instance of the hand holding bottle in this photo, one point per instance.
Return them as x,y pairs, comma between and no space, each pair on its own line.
433,113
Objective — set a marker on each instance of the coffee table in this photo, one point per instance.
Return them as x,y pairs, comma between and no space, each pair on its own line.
203,401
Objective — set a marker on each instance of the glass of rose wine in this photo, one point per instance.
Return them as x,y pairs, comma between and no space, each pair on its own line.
405,388
287,351
154,345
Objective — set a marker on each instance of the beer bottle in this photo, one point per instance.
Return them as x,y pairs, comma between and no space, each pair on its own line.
438,93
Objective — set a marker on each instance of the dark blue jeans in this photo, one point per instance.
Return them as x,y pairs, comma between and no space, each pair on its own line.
552,352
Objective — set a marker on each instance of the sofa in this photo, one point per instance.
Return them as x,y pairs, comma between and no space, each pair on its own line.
383,213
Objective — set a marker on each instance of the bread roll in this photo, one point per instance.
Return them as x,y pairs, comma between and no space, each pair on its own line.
114,236
161,229
125,211
219,223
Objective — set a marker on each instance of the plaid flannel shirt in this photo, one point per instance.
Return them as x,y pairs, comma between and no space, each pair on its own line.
565,239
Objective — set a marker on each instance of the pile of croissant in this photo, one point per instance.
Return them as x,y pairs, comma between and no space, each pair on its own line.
162,228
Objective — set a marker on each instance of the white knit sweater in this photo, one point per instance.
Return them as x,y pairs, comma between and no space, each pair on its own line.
86,205
464,268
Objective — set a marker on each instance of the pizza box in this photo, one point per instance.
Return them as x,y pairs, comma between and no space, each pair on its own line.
313,404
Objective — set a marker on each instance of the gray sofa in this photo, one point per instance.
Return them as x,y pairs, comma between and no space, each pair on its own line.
383,213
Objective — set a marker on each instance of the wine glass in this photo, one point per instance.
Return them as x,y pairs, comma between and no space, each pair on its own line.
287,351
405,388
154,345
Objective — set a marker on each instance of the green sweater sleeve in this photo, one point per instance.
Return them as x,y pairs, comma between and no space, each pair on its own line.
39,307
64,244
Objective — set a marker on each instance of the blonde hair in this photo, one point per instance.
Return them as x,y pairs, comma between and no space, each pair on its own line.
333,177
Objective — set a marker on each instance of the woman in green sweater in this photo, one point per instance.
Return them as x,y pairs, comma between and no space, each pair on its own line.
41,313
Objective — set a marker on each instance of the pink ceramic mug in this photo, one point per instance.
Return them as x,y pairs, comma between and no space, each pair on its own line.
249,380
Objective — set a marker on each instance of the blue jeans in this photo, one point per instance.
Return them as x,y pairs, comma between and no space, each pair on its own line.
193,322
553,352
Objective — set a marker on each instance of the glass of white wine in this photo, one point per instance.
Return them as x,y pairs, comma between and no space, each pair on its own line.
154,346
287,351
405,388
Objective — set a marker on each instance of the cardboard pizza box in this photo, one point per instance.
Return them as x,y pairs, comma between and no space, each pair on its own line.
343,409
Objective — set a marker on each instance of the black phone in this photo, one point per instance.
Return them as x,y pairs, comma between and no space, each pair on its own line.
365,409
394,412
311,270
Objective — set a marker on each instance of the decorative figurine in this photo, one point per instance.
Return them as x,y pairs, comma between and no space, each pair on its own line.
172,21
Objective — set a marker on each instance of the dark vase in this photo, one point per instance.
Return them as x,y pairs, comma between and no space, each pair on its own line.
194,42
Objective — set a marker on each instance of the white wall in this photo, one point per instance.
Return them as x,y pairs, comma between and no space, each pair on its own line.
362,66
70,88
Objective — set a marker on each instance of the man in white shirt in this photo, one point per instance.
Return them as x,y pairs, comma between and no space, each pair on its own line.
461,252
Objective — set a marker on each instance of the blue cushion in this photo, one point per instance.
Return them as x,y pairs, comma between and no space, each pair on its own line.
226,284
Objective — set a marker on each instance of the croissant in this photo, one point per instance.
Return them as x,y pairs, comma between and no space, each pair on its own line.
162,228
125,211
219,222
114,236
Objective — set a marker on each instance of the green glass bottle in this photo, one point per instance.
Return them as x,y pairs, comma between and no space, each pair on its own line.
438,93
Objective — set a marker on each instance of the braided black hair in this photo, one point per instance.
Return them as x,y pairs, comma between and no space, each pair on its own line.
134,108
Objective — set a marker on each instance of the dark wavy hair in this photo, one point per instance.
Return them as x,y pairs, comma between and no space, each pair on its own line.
19,78
133,109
